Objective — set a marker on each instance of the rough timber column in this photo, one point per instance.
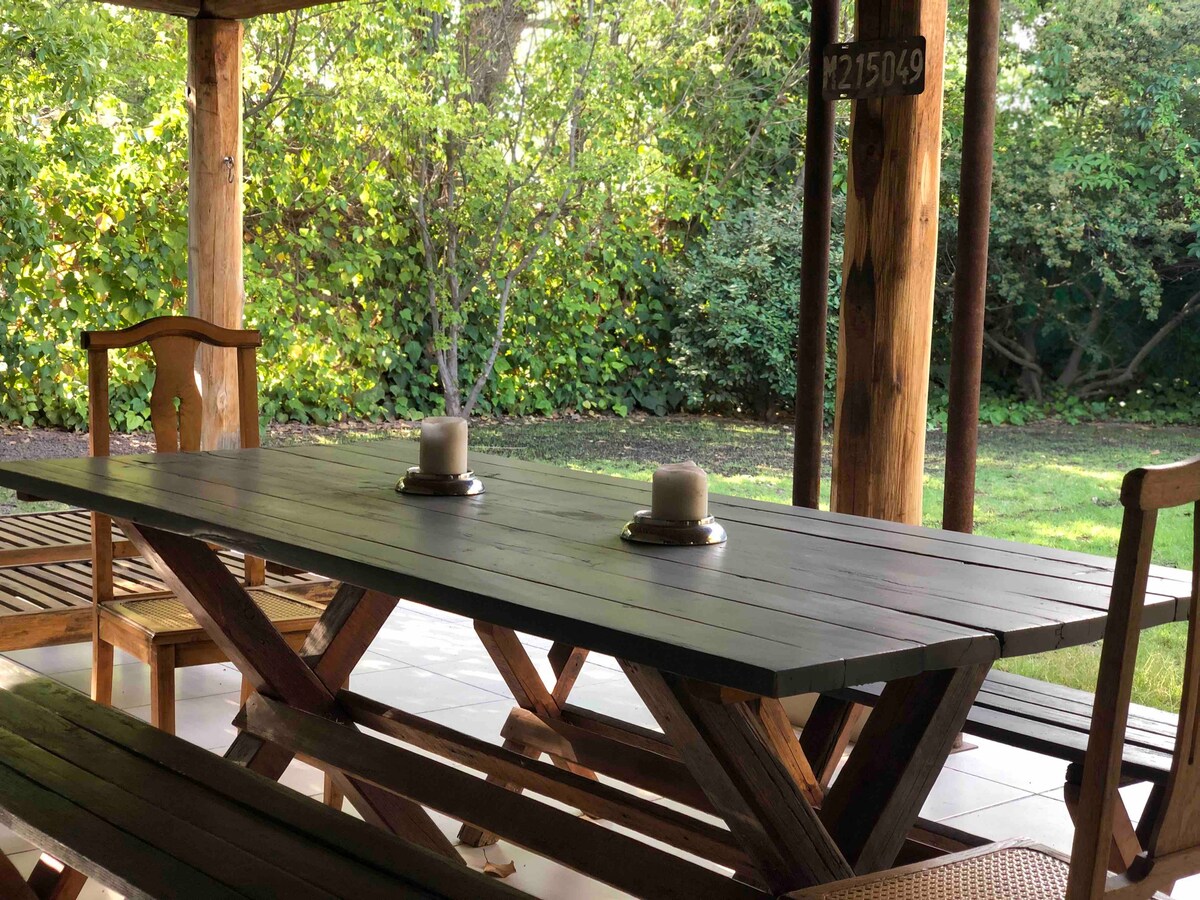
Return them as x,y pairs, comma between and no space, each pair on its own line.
888,272
215,210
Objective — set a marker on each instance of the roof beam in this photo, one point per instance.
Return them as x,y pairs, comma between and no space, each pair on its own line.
171,7
220,9
244,9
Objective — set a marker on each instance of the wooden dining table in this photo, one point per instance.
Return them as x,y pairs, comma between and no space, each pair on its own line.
797,601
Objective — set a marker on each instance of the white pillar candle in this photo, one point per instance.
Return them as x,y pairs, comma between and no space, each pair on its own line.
680,493
443,446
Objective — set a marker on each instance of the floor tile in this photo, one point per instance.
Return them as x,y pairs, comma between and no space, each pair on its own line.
11,842
303,778
1135,797
1018,768
536,875
480,720
615,697
481,672
957,792
1040,818
204,721
431,612
375,662
64,658
1187,889
542,877
131,682
417,690
423,641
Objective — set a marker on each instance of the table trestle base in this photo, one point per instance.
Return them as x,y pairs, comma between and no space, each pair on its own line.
620,861
307,680
512,661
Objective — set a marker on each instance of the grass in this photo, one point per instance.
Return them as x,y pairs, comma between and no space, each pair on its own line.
1050,485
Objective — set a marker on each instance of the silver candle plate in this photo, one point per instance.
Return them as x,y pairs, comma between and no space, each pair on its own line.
417,482
645,529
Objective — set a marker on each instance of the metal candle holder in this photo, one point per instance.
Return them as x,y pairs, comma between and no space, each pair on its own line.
417,482
645,529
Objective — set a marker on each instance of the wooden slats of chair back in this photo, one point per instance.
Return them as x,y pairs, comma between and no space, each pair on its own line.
174,342
1172,842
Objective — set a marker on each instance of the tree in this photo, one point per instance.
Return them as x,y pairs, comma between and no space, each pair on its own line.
1097,197
519,133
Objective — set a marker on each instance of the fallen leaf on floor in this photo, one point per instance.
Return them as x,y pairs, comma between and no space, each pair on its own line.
499,870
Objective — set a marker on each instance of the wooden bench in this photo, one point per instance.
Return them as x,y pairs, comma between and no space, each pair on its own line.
1109,858
152,816
1054,720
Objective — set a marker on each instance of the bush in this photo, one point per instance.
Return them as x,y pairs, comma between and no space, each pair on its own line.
736,296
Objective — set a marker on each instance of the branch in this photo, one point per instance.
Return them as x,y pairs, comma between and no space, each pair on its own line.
1110,378
1016,355
1070,372
279,72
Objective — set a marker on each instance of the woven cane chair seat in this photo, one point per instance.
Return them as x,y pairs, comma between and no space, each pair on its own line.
163,615
999,873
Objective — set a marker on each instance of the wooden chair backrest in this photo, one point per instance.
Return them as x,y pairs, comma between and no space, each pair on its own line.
1171,840
174,342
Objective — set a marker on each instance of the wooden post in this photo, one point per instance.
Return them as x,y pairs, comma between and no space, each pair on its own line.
888,272
970,279
215,289
814,265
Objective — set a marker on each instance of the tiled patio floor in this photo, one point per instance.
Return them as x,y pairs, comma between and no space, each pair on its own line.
430,662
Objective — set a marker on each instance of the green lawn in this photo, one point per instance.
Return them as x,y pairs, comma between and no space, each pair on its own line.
1051,485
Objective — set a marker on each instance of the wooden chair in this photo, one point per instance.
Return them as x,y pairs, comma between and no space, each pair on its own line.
158,629
46,578
1166,843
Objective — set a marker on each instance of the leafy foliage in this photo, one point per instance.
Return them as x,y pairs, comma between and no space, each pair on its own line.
93,160
607,170
738,291
1097,193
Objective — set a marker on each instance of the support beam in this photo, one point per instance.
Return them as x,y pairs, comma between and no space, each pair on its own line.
814,265
900,753
970,275
215,289
888,272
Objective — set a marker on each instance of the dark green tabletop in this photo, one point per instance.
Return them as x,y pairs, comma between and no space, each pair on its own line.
796,601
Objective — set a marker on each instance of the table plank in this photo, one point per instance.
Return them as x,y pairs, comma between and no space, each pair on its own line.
602,556
913,540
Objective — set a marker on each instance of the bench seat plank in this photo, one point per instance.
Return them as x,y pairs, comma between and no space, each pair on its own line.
153,816
1054,720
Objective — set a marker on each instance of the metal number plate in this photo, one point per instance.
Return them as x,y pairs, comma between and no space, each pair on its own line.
863,69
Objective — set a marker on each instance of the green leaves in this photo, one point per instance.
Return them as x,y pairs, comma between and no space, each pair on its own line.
733,345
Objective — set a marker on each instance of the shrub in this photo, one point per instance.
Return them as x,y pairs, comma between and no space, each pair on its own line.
736,296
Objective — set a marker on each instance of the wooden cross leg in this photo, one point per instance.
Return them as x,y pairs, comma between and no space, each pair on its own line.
50,880
306,681
754,773
743,753
888,776
531,694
